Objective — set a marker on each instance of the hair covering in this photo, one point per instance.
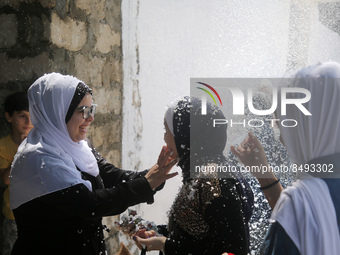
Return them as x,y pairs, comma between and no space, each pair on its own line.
81,90
169,115
47,160
305,210
185,120
317,135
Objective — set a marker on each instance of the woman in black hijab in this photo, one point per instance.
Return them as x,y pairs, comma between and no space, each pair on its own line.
209,215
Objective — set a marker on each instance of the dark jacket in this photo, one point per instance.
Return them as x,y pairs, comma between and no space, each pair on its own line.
69,221
208,219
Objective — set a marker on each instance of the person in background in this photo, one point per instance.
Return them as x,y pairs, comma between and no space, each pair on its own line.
210,214
61,188
18,116
306,215
276,153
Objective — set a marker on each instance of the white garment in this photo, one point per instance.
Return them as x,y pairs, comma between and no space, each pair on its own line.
46,161
305,210
169,115
317,135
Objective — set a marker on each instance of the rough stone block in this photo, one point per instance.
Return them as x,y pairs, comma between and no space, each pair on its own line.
106,39
48,3
110,100
89,69
114,14
13,3
95,8
8,30
105,132
23,69
114,157
112,72
47,25
68,33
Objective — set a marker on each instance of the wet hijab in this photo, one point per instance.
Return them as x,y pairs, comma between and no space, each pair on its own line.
305,210
185,121
48,159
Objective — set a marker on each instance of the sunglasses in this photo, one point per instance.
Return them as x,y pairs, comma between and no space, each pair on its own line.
86,110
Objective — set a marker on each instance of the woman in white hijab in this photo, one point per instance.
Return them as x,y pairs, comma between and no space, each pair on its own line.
306,216
60,189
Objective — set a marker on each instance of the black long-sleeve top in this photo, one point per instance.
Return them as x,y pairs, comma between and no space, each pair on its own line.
69,221
206,218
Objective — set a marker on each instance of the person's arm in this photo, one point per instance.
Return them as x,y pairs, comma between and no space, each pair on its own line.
79,201
112,175
250,152
271,188
113,200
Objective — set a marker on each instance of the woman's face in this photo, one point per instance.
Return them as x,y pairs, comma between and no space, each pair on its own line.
77,126
169,139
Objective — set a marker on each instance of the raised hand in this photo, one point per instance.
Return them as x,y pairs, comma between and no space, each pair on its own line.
251,153
151,244
159,173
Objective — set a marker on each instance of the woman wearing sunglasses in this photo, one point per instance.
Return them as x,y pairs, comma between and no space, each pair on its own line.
60,188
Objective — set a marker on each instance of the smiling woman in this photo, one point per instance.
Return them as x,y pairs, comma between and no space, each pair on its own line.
60,186
81,119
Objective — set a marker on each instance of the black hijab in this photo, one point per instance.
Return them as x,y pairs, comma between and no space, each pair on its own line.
81,90
207,142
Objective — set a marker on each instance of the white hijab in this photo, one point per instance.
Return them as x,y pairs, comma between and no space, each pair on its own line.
46,161
169,115
305,210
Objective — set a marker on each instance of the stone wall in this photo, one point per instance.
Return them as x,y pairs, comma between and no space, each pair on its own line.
76,37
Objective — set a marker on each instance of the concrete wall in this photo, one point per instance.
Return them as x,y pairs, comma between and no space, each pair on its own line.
76,37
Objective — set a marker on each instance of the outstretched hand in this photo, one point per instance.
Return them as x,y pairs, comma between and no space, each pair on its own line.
251,153
154,243
143,233
159,173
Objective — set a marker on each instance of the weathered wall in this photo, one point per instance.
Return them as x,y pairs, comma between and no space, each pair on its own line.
76,37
